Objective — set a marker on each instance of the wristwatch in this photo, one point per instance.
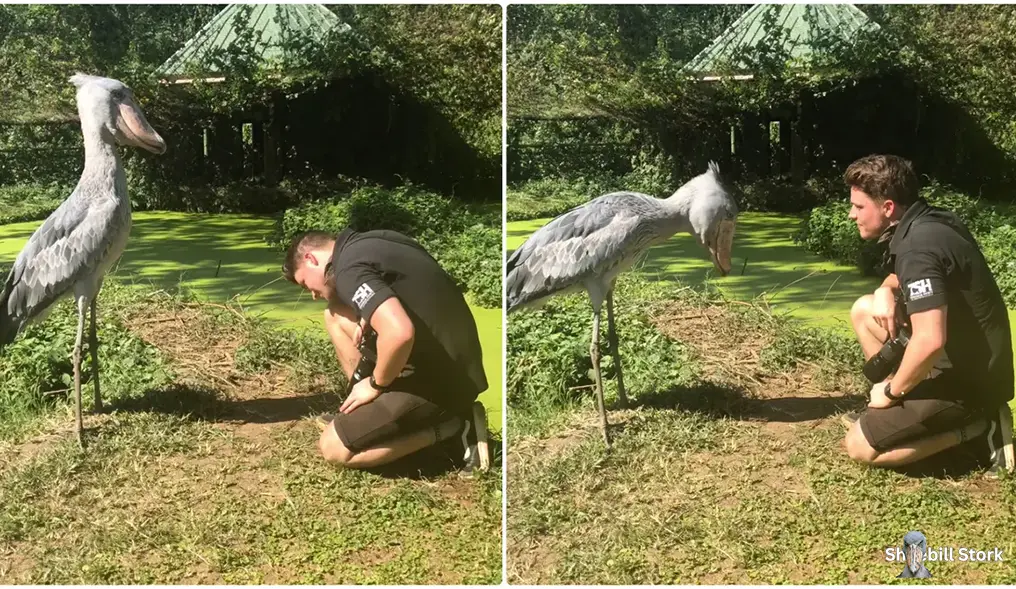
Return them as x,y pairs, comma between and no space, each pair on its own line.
373,383
888,394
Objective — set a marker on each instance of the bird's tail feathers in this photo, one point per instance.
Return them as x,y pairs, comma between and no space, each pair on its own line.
714,168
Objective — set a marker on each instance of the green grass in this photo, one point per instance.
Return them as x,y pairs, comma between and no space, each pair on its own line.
204,469
225,257
734,473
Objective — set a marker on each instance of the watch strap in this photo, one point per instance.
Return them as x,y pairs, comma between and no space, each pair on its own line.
383,389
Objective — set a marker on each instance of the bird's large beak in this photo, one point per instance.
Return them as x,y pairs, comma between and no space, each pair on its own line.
131,122
720,250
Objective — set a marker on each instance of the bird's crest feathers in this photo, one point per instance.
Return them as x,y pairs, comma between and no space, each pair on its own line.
79,79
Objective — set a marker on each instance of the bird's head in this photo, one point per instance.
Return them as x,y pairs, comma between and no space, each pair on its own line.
712,213
107,106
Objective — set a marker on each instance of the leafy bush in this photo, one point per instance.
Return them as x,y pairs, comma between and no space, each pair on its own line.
549,197
778,195
465,241
30,202
831,234
998,248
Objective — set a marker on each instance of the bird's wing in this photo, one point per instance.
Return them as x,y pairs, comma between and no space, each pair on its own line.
67,247
574,246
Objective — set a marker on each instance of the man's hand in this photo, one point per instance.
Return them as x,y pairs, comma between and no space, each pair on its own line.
883,309
361,394
878,398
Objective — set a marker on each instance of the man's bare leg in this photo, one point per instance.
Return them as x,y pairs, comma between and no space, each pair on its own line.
869,334
857,446
340,323
333,450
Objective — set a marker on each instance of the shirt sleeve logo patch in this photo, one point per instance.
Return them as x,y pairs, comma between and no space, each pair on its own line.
362,295
920,289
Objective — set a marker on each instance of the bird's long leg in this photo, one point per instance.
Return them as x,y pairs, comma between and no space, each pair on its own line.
77,368
594,355
614,351
93,346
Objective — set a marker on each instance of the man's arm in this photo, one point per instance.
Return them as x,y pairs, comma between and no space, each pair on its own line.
395,336
883,309
925,348
892,281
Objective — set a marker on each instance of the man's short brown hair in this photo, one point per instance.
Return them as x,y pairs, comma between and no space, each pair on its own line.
301,244
884,177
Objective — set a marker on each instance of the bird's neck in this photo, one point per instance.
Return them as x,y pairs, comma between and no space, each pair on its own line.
677,210
103,174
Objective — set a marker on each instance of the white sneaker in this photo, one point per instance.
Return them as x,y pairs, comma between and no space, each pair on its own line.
996,449
476,454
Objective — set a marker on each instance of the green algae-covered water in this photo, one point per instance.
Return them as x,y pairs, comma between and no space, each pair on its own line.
222,257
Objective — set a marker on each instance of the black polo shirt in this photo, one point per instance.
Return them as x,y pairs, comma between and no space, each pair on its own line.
939,263
373,266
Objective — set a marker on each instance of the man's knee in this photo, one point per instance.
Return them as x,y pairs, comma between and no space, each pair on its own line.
332,448
861,310
857,446
337,316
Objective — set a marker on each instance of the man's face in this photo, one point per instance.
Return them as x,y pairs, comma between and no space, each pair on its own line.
311,276
872,217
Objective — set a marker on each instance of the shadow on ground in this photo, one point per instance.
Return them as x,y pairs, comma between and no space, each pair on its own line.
721,401
718,400
201,403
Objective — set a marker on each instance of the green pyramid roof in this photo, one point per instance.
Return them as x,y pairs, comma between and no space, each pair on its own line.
270,24
799,24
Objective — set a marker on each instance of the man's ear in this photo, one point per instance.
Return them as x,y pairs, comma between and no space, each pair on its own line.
310,258
889,208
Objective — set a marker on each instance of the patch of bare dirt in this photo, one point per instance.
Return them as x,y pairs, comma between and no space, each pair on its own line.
729,351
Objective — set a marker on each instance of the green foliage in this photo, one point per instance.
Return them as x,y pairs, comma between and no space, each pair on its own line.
548,361
425,56
549,197
780,195
307,354
30,202
999,247
465,241
793,344
39,362
830,233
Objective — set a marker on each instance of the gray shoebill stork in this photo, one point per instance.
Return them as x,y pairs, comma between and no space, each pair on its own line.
587,247
72,250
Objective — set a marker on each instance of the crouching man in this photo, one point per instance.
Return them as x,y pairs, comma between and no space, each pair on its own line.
388,298
957,370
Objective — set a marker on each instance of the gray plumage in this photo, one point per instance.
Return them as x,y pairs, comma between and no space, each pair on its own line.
72,250
587,247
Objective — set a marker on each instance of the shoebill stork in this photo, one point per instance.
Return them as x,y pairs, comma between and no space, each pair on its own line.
587,247
72,250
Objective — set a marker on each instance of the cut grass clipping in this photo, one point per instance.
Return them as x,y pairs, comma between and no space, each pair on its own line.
204,469
728,467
